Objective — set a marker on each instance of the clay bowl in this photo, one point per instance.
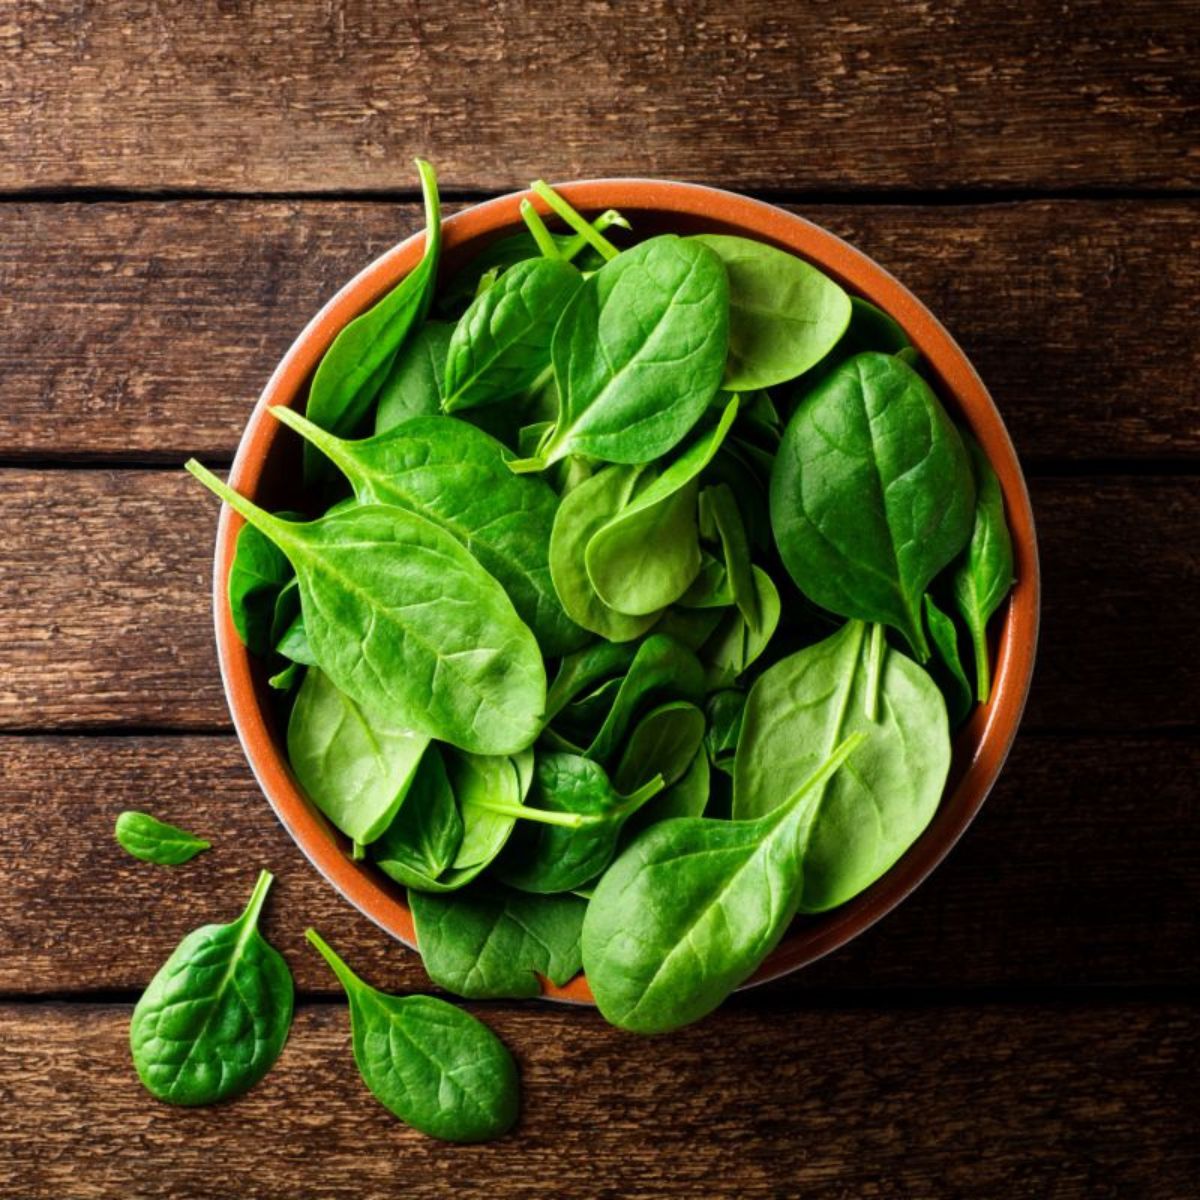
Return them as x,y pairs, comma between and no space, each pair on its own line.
266,470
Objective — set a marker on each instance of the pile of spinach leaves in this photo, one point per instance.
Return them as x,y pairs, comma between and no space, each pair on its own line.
629,610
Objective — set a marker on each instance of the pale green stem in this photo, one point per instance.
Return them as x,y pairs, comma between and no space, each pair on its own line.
433,207
277,530
346,977
526,466
631,803
358,851
874,670
817,779
537,227
249,917
983,673
604,221
332,446
573,219
541,815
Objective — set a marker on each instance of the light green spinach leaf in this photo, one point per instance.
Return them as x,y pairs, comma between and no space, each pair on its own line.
155,841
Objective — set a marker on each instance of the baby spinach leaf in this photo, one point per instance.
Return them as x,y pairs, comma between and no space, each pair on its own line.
258,576
687,797
455,476
502,343
432,1065
693,906
871,495
546,857
583,512
355,367
352,766
724,710
946,665
720,520
647,556
406,623
638,354
661,669
663,743
862,821
155,841
413,387
785,315
711,587
735,644
689,628
426,834
215,1017
985,575
584,670
293,644
490,942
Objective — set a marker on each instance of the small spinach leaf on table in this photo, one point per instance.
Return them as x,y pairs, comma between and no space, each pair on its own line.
491,942
864,819
785,315
502,343
414,386
692,907
356,366
648,555
354,767
985,576
638,354
213,1020
455,476
432,1065
663,743
946,664
405,621
871,494
154,841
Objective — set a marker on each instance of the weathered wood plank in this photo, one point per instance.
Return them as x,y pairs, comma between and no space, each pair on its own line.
106,617
146,330
1069,877
854,93
1035,1102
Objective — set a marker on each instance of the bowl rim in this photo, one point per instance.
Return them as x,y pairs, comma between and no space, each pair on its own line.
981,746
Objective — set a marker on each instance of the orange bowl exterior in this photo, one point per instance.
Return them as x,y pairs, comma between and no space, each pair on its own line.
654,206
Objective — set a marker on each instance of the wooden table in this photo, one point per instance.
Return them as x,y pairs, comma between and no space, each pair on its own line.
184,184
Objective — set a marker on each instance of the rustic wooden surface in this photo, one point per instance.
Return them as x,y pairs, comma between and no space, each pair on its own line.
184,185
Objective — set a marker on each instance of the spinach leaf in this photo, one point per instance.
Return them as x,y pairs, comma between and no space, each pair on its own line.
785,315
432,1065
426,834
502,344
583,512
689,628
647,556
946,665
871,494
155,841
693,906
862,821
413,388
293,645
711,587
455,476
985,575
406,623
661,669
352,766
215,1017
720,520
586,669
725,710
259,575
491,942
687,797
735,644
545,857
355,367
663,743
638,354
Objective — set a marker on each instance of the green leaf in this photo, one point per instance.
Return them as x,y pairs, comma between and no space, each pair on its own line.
432,1065
406,623
492,943
785,315
871,495
647,556
864,820
259,574
215,1017
725,710
721,520
985,576
357,364
155,841
502,344
413,387
735,644
455,476
946,665
692,907
351,765
639,353
688,797
425,836
663,743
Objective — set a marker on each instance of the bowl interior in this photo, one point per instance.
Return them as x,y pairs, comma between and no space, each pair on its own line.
267,470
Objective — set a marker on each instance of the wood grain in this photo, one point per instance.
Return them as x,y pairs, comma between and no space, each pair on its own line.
852,93
106,615
145,331
1030,1103
1083,869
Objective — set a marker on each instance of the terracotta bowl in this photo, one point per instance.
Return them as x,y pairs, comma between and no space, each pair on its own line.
266,470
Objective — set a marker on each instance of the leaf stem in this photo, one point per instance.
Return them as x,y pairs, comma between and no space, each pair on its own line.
631,803
273,527
346,977
526,466
874,670
537,227
983,672
818,778
573,219
433,207
328,443
523,812
249,917
605,220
